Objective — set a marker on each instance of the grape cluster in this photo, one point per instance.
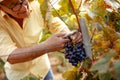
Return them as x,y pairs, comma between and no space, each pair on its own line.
74,52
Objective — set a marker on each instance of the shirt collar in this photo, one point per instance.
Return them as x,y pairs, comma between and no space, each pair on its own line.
3,13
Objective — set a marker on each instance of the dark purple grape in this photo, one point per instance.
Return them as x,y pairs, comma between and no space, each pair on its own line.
69,45
79,45
74,53
74,64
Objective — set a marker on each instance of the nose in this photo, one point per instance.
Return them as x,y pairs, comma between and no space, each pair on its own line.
24,8
20,7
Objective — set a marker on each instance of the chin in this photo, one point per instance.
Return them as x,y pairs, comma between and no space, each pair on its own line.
20,16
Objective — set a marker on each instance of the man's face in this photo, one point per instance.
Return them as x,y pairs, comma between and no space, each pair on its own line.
16,8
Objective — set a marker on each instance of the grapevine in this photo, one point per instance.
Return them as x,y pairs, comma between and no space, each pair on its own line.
103,22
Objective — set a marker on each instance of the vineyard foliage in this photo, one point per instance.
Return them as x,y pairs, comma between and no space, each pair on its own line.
103,22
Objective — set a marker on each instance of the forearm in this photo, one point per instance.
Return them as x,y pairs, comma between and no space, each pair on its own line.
53,43
27,54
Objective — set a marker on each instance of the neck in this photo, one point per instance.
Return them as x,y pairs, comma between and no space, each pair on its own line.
19,20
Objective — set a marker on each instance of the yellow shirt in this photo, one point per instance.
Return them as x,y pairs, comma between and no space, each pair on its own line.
12,36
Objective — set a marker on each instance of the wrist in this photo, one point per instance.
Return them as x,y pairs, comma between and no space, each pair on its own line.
39,49
44,46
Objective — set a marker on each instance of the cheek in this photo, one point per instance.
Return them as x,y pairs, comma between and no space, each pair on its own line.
20,14
17,8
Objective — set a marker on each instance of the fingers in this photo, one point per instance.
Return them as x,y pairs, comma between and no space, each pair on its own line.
60,34
66,40
77,37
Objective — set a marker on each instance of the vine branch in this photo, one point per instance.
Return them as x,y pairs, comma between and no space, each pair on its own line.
80,5
76,15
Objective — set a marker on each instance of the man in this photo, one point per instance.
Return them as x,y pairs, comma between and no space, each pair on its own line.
21,27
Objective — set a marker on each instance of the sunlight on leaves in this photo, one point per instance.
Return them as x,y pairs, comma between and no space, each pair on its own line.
102,65
105,76
116,65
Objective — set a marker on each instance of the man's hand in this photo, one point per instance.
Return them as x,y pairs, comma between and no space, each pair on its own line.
56,42
75,36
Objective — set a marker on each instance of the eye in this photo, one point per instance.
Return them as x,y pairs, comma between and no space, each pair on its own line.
10,4
20,1
13,4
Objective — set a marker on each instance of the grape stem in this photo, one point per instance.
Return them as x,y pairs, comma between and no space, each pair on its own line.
76,15
80,5
85,75
80,68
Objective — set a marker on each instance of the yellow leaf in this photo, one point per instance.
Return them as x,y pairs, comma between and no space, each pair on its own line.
69,75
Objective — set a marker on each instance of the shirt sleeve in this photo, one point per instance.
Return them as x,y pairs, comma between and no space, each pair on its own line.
6,45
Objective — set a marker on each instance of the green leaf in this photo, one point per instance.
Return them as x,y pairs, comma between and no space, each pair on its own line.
116,66
1,63
43,7
87,63
40,1
105,76
45,37
65,6
109,55
72,74
69,75
102,65
59,12
76,3
97,7
33,78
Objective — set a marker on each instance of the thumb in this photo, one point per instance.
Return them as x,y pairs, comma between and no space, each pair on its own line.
61,34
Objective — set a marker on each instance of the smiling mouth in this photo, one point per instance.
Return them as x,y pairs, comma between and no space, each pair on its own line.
24,12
